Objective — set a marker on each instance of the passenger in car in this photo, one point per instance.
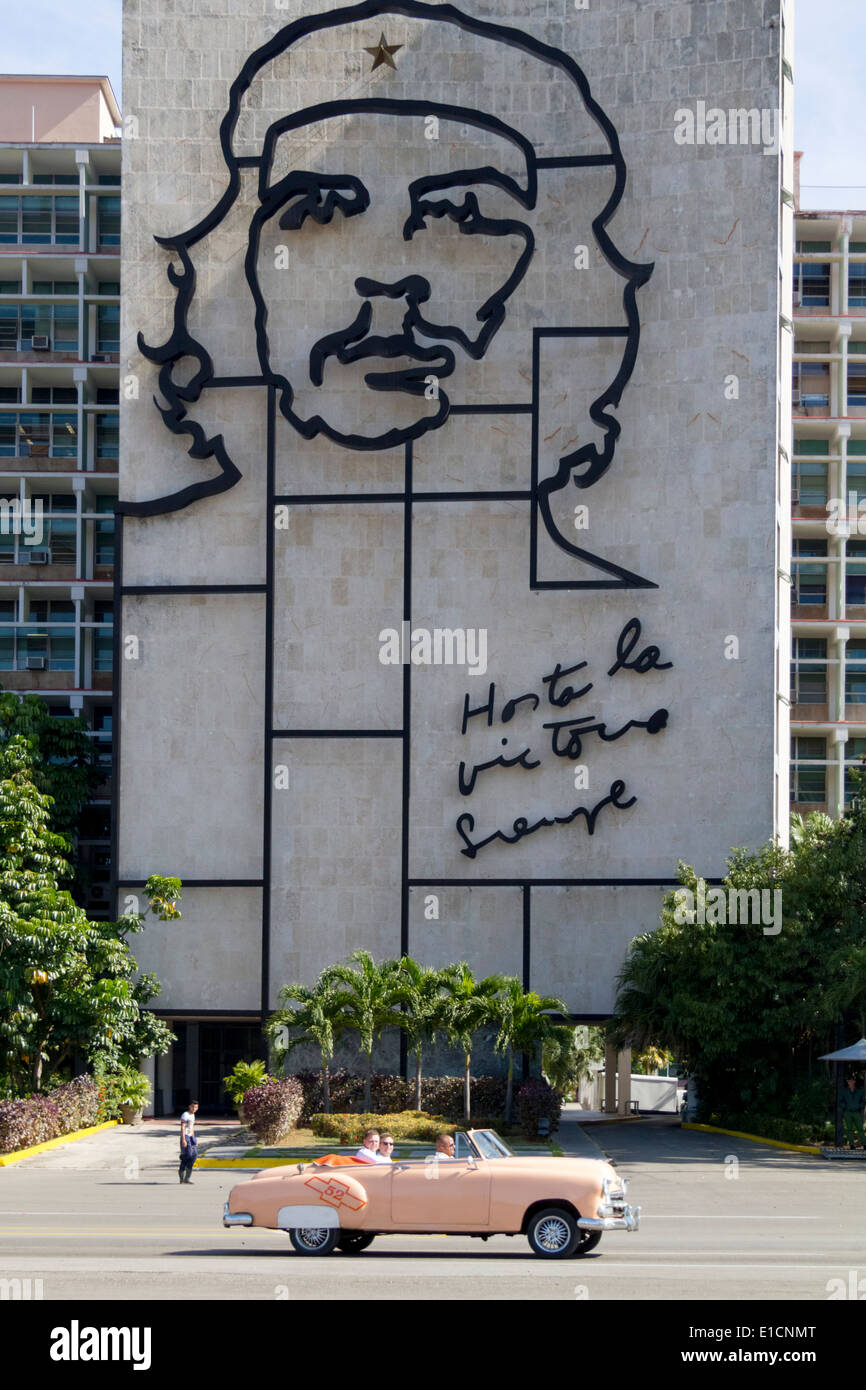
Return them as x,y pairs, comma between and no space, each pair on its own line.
445,1146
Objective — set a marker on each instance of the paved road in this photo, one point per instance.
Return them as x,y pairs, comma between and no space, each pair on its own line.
723,1219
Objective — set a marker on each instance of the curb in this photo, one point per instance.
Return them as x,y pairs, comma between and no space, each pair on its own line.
756,1138
16,1157
249,1162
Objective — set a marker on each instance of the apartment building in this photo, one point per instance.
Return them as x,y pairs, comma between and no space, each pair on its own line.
59,393
828,497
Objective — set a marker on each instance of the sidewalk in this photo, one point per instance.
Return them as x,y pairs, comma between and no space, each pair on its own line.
154,1143
574,1141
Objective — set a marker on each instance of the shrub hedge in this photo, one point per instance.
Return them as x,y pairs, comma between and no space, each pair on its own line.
537,1100
406,1124
272,1109
389,1095
771,1127
24,1123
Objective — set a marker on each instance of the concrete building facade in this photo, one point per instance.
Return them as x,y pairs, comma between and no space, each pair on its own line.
453,574
828,495
59,430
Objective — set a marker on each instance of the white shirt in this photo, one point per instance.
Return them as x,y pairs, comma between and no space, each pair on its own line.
187,1123
371,1156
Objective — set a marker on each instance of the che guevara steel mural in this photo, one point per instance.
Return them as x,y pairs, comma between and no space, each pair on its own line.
420,369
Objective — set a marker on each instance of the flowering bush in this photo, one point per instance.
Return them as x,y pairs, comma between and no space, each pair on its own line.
408,1124
537,1100
77,1104
27,1122
272,1110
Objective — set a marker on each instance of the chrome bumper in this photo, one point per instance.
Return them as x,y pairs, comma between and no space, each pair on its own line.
614,1212
626,1219
236,1218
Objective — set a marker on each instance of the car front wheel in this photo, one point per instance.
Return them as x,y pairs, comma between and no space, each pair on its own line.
314,1240
353,1242
586,1241
552,1233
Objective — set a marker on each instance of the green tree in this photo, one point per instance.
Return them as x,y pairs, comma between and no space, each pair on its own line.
64,764
470,1005
568,1057
67,985
525,1024
368,1002
426,1007
748,1010
317,1018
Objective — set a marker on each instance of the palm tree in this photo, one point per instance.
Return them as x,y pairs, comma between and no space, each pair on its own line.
317,1019
525,1025
369,1003
426,1007
469,1005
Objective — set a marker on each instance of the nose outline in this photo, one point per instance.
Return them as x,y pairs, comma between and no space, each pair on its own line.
415,289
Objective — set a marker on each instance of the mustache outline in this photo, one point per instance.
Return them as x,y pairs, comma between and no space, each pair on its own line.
354,343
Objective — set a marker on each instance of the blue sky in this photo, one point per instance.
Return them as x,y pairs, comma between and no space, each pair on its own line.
66,36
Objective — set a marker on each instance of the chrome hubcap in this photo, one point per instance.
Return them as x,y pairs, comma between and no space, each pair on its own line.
313,1237
552,1234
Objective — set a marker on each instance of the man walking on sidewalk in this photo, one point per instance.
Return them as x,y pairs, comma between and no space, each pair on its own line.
188,1147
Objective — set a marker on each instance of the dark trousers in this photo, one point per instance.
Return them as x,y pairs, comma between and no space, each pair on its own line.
188,1157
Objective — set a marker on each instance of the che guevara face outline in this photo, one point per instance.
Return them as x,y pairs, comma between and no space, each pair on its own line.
458,196
181,387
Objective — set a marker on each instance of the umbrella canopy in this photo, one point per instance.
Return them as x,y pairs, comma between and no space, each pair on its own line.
855,1053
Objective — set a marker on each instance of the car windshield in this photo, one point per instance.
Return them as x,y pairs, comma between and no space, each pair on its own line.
489,1144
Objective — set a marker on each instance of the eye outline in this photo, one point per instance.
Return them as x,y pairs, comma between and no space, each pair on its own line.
302,190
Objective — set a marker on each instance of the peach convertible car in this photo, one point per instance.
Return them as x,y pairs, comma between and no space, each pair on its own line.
561,1205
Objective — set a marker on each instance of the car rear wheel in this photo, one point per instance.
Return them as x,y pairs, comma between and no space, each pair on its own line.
314,1240
552,1233
586,1241
353,1242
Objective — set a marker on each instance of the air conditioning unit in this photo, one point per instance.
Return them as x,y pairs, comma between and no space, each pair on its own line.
35,557
102,357
41,342
37,663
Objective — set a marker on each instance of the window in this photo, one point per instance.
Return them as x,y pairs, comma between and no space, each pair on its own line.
809,476
855,573
55,178
55,610
808,784
54,395
809,671
9,209
56,501
855,673
810,580
105,542
103,649
19,324
60,535
64,436
10,286
10,395
108,221
107,395
856,384
108,287
54,287
40,220
113,179
108,328
812,283
814,248
857,286
108,436
812,381
856,470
